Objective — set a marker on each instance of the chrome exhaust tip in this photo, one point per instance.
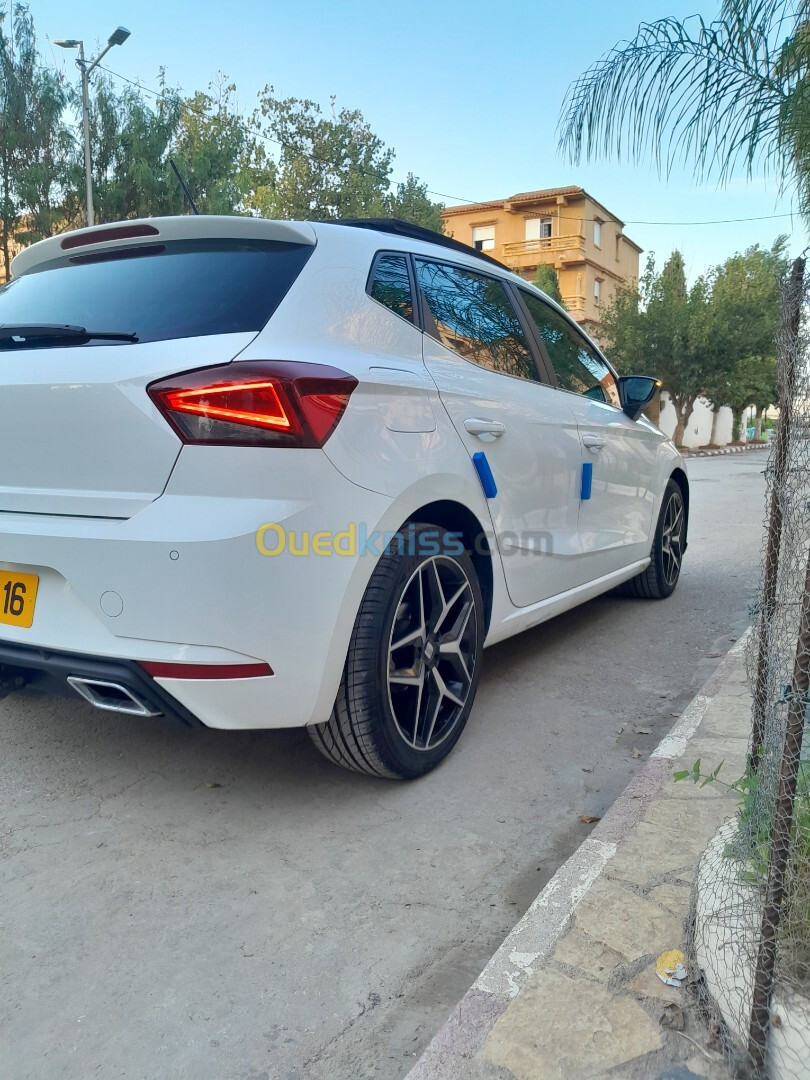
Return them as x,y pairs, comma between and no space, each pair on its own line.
111,696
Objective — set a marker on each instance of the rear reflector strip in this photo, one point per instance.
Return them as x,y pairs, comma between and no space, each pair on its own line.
206,671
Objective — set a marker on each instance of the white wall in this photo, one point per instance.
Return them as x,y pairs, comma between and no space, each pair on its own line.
699,428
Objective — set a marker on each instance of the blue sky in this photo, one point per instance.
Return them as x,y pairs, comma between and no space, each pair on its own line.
468,93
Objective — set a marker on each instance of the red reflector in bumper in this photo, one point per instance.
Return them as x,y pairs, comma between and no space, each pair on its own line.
206,671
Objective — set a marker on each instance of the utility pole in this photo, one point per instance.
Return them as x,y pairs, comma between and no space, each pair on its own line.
117,37
88,164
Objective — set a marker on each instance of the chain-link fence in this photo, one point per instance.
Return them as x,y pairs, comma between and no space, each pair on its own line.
751,901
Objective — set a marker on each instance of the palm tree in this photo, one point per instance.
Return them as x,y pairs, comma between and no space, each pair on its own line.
732,92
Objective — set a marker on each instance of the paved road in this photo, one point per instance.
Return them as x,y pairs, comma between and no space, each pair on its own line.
230,906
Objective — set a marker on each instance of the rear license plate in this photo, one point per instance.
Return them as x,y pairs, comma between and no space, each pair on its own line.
18,594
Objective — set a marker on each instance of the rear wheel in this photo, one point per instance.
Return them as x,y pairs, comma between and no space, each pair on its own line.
412,668
658,581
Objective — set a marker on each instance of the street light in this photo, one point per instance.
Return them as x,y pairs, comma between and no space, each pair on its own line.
117,37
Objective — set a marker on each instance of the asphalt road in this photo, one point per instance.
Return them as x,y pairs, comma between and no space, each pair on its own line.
230,906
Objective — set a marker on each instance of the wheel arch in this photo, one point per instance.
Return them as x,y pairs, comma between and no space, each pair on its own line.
455,517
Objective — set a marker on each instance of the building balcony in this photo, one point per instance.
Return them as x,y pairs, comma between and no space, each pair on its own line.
575,306
547,249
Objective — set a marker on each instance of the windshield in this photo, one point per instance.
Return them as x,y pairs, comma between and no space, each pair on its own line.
183,288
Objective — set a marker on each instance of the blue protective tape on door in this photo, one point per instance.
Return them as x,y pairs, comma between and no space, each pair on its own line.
485,474
587,478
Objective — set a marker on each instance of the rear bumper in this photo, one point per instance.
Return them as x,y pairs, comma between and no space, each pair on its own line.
49,671
189,584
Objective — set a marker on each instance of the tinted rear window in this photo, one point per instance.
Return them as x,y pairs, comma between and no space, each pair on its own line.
183,288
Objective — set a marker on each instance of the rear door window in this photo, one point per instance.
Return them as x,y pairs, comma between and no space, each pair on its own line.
177,289
473,316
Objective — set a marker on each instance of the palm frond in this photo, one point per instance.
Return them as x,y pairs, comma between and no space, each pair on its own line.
715,94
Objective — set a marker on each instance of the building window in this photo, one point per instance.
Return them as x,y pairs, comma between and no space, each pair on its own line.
597,233
483,237
597,290
538,228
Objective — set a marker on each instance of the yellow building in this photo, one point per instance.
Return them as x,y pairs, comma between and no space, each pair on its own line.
564,227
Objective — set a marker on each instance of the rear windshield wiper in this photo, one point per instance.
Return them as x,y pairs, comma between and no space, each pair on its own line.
28,332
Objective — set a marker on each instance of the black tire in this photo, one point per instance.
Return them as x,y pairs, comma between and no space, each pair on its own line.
660,578
379,697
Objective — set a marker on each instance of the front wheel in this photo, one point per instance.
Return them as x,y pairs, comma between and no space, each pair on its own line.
413,663
658,581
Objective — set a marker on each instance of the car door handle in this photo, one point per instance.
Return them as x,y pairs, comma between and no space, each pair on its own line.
594,442
484,427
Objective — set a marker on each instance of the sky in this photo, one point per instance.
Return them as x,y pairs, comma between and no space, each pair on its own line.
467,93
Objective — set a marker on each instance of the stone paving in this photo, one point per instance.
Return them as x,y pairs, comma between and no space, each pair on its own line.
595,1007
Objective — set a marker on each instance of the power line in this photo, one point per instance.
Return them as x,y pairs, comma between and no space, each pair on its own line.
637,221
714,221
254,131
443,194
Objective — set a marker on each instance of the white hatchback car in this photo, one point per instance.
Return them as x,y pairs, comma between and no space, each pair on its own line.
261,474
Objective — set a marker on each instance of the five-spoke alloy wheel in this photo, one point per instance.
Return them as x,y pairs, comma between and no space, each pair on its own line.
658,581
412,669
431,652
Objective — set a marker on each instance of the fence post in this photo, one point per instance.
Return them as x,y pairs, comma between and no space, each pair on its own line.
787,352
780,843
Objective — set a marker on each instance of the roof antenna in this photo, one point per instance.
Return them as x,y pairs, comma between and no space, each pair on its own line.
184,186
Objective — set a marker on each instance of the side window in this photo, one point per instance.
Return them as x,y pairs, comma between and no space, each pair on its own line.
578,366
475,317
390,284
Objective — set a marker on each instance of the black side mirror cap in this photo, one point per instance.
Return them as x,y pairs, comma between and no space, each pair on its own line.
636,392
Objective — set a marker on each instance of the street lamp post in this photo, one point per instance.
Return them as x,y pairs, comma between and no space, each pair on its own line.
117,37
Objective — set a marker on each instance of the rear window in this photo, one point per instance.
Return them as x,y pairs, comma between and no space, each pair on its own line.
183,288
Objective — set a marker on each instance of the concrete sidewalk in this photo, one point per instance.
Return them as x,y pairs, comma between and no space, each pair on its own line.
572,992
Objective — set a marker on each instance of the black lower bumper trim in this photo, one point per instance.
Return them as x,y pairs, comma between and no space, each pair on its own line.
48,670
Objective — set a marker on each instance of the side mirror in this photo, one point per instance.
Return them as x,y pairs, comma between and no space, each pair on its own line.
636,392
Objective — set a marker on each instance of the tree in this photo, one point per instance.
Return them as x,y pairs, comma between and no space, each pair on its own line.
411,202
215,150
547,281
131,140
34,146
730,92
330,166
657,327
739,340
327,166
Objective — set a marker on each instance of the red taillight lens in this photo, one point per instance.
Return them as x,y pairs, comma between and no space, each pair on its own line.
257,403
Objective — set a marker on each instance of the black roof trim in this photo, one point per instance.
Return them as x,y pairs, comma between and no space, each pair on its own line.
416,232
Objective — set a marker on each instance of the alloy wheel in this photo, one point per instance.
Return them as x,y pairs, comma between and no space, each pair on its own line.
672,538
431,652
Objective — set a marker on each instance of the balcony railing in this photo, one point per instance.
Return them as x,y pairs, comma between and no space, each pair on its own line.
569,242
575,305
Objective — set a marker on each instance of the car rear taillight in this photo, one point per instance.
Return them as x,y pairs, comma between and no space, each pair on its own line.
256,403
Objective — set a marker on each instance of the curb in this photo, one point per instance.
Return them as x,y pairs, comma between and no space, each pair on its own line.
548,917
726,450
